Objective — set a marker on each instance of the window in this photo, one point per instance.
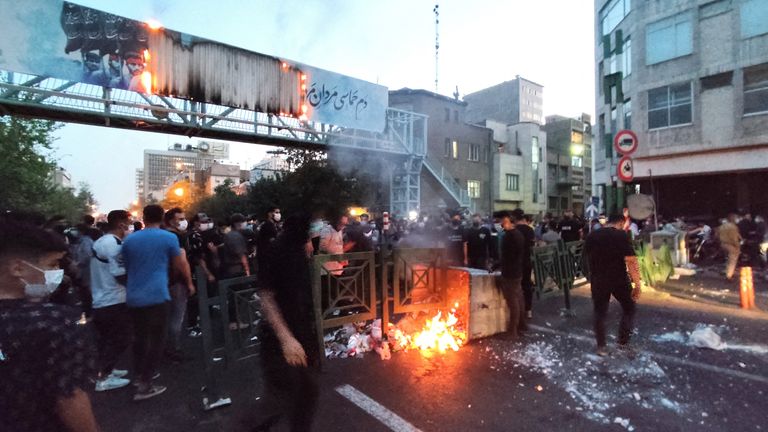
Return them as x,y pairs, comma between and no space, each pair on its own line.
474,152
756,89
455,116
473,187
714,8
447,115
612,14
600,75
513,182
716,81
669,38
541,187
447,152
564,203
614,124
626,66
553,204
576,188
455,149
535,150
577,161
577,137
627,114
754,18
670,106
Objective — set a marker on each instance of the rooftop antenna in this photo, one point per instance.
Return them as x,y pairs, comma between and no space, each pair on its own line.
437,39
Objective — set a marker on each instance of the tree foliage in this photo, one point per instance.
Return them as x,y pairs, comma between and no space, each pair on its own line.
314,187
26,169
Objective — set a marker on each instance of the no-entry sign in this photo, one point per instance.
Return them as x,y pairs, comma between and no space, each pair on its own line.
625,142
625,170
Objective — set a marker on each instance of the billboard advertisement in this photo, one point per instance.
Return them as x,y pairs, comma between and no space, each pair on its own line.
65,40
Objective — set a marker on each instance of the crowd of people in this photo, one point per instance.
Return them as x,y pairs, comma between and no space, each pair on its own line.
133,284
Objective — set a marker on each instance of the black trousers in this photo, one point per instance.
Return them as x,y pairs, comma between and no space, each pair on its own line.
114,334
478,262
527,284
150,325
601,297
513,294
292,391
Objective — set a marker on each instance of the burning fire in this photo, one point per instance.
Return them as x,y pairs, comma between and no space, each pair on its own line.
438,335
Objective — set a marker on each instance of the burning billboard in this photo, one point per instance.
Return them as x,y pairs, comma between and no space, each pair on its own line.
77,43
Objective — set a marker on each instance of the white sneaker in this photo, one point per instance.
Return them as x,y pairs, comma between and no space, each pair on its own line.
111,383
119,373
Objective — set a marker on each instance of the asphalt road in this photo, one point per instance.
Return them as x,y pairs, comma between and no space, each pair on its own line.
549,381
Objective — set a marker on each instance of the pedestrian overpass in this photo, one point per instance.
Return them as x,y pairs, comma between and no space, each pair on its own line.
120,73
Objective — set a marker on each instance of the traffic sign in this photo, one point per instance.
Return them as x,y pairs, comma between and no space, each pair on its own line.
625,170
625,142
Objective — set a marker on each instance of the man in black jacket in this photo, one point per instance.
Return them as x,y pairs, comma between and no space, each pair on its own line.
511,263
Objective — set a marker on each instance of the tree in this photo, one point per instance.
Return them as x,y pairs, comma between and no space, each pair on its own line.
25,172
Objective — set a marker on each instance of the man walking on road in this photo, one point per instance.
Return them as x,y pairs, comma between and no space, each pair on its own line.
147,255
611,257
290,349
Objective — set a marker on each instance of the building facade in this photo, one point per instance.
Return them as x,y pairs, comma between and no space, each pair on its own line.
453,146
516,101
217,174
690,78
161,167
269,167
568,164
518,178
61,177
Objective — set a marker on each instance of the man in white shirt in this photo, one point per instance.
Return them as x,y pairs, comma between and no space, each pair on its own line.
110,314
332,242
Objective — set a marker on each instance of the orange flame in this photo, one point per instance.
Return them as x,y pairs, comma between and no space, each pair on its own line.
154,24
438,335
147,57
146,81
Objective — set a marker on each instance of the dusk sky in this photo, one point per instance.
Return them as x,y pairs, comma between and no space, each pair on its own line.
482,43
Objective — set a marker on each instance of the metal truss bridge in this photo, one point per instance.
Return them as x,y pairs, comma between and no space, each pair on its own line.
403,140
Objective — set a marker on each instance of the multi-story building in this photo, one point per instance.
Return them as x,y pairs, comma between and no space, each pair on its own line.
515,101
690,78
216,174
140,184
61,177
518,178
162,166
459,150
568,163
269,167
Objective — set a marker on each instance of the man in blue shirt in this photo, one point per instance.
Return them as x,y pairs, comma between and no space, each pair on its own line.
148,254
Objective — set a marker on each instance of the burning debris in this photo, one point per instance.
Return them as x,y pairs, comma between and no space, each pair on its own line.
435,335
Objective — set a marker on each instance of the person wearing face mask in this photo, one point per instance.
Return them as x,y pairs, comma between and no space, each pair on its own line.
110,314
176,223
455,242
478,244
46,358
196,243
511,264
234,263
267,232
332,242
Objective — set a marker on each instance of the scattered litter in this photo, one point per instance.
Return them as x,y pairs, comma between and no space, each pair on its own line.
707,336
742,365
539,388
636,396
622,421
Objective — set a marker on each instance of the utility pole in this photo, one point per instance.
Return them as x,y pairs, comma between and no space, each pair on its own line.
437,39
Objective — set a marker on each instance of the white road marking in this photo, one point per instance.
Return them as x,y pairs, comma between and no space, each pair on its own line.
668,358
375,409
